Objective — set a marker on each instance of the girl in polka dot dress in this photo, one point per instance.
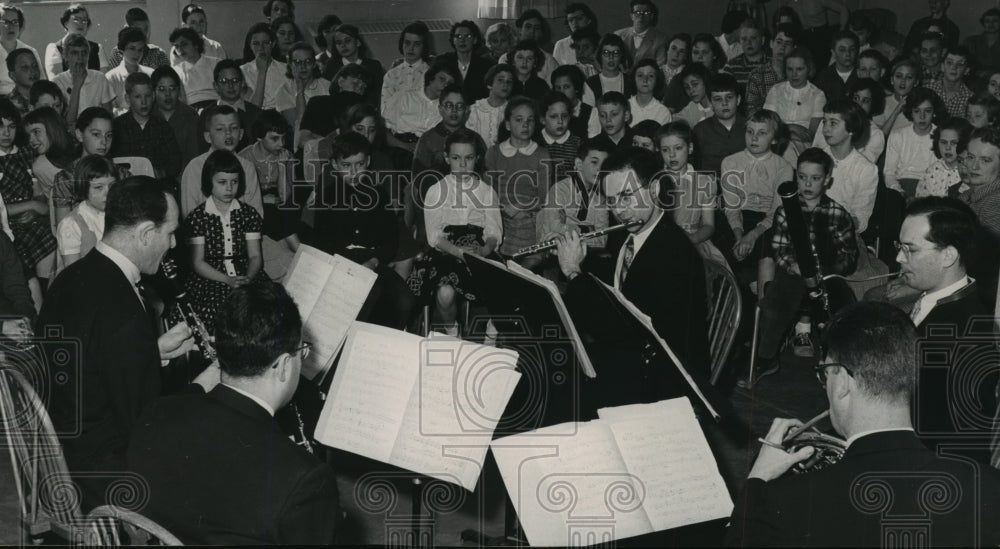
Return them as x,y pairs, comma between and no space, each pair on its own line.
224,234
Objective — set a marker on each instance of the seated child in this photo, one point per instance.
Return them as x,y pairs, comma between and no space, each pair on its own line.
613,120
909,150
750,180
486,115
224,235
648,83
576,201
644,135
722,134
951,139
455,227
695,78
831,232
983,110
83,228
569,81
562,144
527,60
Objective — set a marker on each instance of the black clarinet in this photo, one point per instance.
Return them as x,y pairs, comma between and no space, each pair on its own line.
198,330
805,253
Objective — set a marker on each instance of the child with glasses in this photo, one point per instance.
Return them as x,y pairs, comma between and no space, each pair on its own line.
303,83
613,61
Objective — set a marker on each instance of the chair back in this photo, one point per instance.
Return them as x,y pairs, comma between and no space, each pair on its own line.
726,308
48,498
110,525
137,165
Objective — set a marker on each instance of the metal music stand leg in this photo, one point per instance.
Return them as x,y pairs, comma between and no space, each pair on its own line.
753,345
417,495
512,536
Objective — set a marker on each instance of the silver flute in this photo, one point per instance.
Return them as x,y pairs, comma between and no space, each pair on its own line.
549,244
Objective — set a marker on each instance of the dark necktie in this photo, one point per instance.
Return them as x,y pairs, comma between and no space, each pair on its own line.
627,260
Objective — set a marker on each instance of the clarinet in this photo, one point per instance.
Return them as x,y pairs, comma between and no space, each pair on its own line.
198,330
805,252
548,245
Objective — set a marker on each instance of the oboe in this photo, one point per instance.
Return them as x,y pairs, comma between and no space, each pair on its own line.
549,244
198,330
805,253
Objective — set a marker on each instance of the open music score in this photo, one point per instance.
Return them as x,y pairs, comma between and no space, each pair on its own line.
429,405
638,469
329,291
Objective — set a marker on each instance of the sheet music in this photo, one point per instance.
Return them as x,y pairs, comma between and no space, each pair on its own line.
581,353
370,391
648,323
307,275
663,446
427,405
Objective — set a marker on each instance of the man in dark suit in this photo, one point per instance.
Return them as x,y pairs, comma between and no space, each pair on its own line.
658,269
878,490
465,39
97,396
220,471
642,40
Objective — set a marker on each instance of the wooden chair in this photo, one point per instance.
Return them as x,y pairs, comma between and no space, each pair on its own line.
114,526
724,317
49,500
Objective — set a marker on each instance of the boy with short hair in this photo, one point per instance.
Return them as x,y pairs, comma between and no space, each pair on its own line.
228,81
750,180
221,130
23,69
614,115
131,44
570,81
872,64
931,52
152,56
722,134
576,201
834,79
138,133
84,87
486,115
832,235
951,86
46,93
429,153
183,120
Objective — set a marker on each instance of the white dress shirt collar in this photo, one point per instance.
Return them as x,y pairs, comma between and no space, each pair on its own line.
13,150
557,140
508,150
211,208
929,300
129,269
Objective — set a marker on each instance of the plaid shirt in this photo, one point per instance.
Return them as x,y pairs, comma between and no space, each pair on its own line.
831,232
156,142
153,58
985,202
740,67
759,83
956,102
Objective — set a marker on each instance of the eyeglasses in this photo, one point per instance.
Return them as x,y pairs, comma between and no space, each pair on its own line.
10,22
909,251
611,53
463,36
165,89
453,106
627,198
303,351
642,13
821,371
302,62
229,81
80,20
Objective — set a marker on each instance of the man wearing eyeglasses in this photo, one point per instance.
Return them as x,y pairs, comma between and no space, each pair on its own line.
658,269
879,489
642,40
217,467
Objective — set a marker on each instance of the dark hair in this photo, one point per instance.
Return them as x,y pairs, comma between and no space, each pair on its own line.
876,55
697,70
661,81
988,135
45,87
535,14
350,70
855,121
652,8
62,147
211,111
806,56
420,29
88,168
723,82
221,161
790,30
302,46
718,53
732,20
815,155
586,33
358,112
270,4
991,103
477,35
532,46
766,116
552,98
72,10
575,75
450,89
935,36
878,343
613,40
364,52
613,98
677,128
135,15
962,52
440,66
189,9
270,121
844,35
164,71
957,124
256,28
191,35
134,200
920,95
137,78
951,223
683,37
129,35
93,113
497,69
464,136
14,55
789,12
256,324
16,9
992,12
76,41
874,88
224,64
299,37
587,12
647,129
521,101
349,144
646,164
328,22
593,144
